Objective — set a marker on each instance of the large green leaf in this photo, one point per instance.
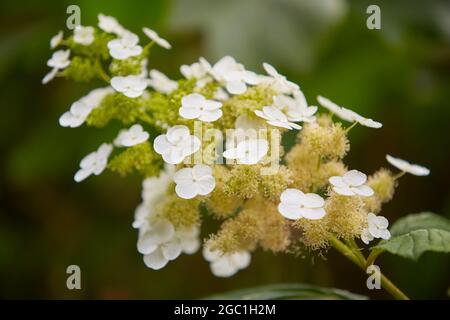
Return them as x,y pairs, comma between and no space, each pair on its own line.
287,291
417,233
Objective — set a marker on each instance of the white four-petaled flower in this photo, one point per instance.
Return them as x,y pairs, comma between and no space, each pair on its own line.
176,144
198,70
76,116
196,106
233,75
377,228
58,61
296,109
161,83
132,136
94,163
351,183
248,151
80,109
131,86
155,37
159,244
83,35
276,117
191,182
110,24
279,82
405,166
226,264
124,47
347,114
296,204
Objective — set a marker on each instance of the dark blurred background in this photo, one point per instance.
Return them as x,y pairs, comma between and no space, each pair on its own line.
398,75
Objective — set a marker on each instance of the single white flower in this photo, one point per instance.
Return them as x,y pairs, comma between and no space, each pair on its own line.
249,151
405,166
80,109
83,35
125,46
56,39
198,70
191,182
377,228
59,59
76,116
296,109
153,193
133,136
161,83
225,265
176,144
296,204
110,24
159,244
351,183
276,117
196,106
94,163
131,86
347,114
279,82
155,37
233,75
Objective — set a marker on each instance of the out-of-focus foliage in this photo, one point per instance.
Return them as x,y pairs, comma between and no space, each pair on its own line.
399,75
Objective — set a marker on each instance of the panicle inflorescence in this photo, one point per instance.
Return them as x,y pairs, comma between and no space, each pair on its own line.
262,196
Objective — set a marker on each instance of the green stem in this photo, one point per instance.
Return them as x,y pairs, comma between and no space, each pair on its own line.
351,127
102,74
372,256
350,254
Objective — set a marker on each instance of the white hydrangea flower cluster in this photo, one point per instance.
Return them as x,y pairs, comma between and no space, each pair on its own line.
284,108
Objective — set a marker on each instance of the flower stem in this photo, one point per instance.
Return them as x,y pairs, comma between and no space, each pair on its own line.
350,254
351,127
101,73
399,175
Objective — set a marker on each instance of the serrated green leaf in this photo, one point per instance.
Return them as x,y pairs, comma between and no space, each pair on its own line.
415,234
288,291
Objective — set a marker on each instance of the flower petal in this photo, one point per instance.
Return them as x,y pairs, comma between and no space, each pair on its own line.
312,200
313,213
189,113
364,191
171,250
186,191
193,100
155,260
354,178
289,211
292,197
206,185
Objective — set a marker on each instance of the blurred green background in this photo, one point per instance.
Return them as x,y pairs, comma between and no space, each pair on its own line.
398,75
